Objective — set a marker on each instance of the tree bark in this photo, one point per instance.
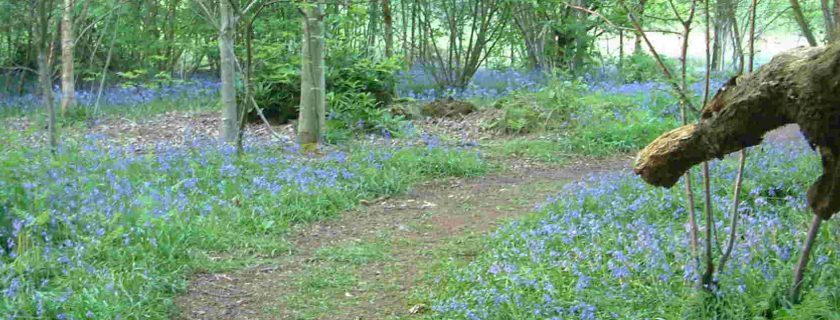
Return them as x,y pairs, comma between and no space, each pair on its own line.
722,23
797,86
312,121
389,28
836,19
47,97
227,70
68,82
620,50
803,24
736,37
828,19
412,43
637,44
44,72
533,29
372,30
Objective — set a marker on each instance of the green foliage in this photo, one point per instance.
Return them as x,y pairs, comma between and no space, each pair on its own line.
358,89
609,123
576,120
547,108
360,111
521,119
642,67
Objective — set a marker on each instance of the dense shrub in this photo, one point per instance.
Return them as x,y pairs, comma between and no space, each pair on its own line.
277,83
359,111
641,67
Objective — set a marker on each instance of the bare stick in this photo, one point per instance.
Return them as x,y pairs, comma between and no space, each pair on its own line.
710,264
733,224
799,272
689,191
667,72
597,14
743,158
107,63
752,36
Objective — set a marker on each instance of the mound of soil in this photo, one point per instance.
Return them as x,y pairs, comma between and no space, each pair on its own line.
447,108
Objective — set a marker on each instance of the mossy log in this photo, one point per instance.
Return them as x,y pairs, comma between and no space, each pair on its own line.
798,86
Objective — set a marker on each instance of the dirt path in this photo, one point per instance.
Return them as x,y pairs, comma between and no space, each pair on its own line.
365,263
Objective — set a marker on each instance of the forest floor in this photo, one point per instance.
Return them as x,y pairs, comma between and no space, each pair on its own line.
378,260
366,264
373,262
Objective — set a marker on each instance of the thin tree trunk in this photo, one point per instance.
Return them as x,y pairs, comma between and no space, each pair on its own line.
44,73
828,19
68,83
169,36
312,120
47,97
249,59
799,272
404,29
412,43
836,19
707,280
803,24
321,71
637,44
389,28
743,157
389,43
107,65
620,49
228,73
372,30
689,190
736,36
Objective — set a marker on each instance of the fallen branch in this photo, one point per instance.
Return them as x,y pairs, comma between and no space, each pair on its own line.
798,86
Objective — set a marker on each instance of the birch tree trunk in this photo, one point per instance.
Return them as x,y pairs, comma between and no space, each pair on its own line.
68,83
312,121
803,24
722,27
228,74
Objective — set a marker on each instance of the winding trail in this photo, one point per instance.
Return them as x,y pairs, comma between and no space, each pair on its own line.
369,262
366,263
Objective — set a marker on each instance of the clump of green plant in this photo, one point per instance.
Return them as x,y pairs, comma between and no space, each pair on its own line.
641,67
351,76
358,110
521,115
544,109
